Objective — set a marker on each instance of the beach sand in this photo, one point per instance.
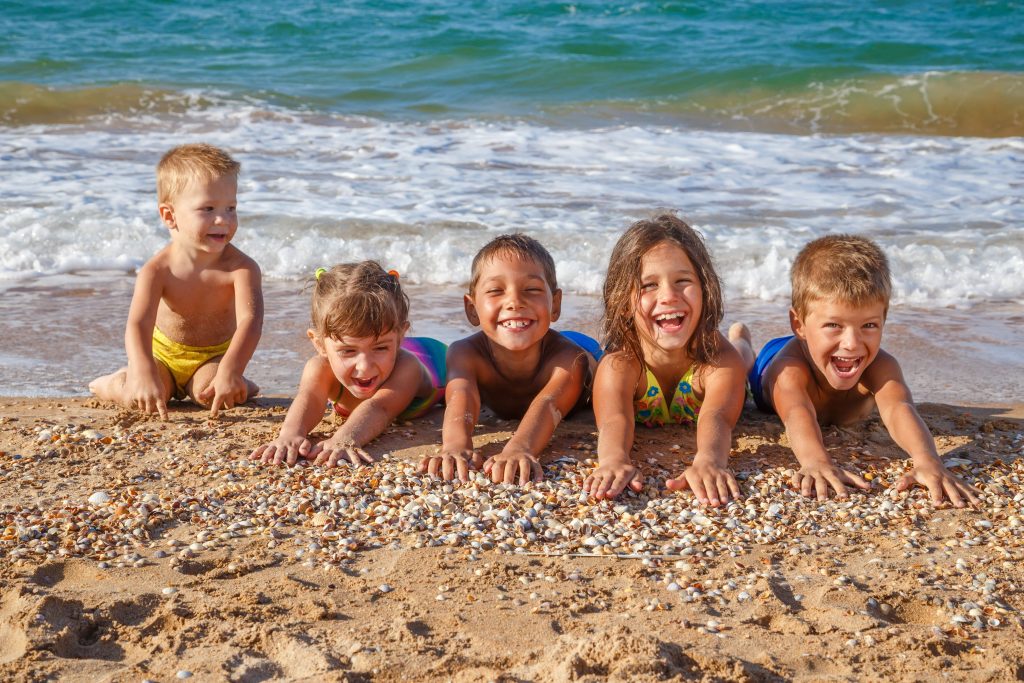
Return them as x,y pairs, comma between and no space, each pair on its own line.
192,559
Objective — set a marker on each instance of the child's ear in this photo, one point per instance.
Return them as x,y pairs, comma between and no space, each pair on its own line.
402,331
796,324
556,305
318,343
471,314
167,215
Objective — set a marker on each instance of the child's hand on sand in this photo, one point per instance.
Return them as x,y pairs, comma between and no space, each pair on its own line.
227,390
332,451
147,393
286,449
449,464
711,484
817,477
941,483
611,479
504,466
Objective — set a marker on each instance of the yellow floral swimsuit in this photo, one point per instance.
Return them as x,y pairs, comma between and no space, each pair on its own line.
651,409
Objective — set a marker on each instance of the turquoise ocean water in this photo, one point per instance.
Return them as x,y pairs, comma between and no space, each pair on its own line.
413,132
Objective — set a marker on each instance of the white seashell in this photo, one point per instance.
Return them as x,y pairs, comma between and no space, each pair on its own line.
99,498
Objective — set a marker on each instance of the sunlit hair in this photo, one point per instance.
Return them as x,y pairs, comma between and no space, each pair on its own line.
358,300
842,268
517,246
622,287
187,164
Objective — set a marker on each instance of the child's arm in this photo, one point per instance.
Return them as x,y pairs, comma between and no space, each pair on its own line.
462,408
724,391
143,384
228,387
304,414
559,395
908,430
614,386
796,410
371,417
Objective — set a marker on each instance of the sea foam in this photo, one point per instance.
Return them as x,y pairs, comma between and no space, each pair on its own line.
422,197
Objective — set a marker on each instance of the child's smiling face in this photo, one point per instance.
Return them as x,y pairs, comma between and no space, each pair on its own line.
841,339
202,217
670,298
361,364
513,303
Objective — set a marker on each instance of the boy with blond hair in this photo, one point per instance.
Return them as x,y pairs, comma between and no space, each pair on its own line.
516,365
834,371
197,310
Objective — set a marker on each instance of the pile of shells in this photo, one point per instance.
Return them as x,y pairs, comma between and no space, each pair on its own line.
323,517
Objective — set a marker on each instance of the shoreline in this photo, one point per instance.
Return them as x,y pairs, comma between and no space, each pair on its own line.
87,312
248,573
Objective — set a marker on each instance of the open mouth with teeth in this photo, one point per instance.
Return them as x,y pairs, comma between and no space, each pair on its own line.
217,238
844,366
364,384
670,322
516,324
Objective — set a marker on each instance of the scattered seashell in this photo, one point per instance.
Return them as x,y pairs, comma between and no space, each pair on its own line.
99,498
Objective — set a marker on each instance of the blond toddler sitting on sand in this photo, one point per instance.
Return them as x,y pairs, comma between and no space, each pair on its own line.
197,311
834,371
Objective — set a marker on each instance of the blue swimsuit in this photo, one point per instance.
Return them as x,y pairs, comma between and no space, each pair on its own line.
764,357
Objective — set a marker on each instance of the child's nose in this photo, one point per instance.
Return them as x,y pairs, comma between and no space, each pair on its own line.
851,338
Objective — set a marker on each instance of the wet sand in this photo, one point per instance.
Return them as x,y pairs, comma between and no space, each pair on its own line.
191,559
62,331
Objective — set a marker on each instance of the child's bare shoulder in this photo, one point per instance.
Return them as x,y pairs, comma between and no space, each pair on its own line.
236,261
883,369
789,369
620,366
467,354
728,357
157,267
559,351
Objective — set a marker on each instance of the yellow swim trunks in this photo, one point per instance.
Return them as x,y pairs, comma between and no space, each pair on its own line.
183,360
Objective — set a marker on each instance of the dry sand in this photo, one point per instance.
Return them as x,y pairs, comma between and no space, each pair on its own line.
333,575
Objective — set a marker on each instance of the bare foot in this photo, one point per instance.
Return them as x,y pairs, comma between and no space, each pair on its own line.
739,336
